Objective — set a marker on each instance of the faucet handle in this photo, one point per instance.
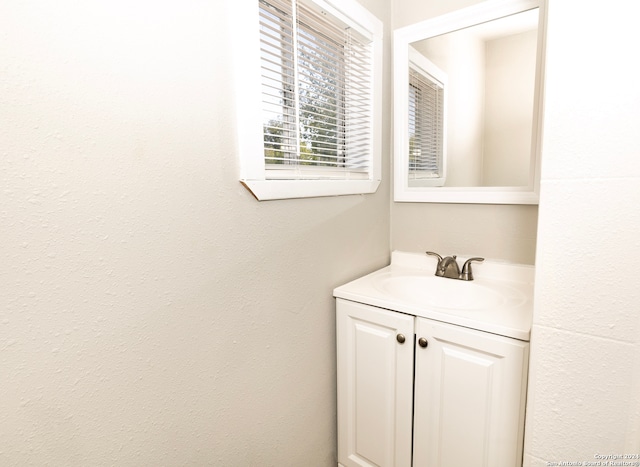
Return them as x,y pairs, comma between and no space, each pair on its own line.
467,274
439,267
435,254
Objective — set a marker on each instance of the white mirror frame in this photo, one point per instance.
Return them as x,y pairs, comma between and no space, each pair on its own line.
483,12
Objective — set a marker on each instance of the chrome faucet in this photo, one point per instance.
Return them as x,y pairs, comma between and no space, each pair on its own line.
448,267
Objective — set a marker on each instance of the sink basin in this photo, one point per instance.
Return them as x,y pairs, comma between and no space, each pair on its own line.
446,293
499,300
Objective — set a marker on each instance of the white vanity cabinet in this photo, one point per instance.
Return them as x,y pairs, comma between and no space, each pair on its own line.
420,392
375,385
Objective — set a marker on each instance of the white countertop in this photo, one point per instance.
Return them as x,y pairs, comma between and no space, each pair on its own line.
510,317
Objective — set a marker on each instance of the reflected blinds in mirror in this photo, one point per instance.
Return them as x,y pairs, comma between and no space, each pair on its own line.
426,129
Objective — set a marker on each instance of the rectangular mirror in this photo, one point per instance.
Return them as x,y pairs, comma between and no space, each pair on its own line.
467,104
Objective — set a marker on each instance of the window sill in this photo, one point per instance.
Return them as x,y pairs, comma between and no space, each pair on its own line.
264,190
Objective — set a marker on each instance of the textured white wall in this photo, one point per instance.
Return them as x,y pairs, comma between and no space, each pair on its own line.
584,392
405,12
151,311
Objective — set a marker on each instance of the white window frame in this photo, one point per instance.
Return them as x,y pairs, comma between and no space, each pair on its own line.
246,47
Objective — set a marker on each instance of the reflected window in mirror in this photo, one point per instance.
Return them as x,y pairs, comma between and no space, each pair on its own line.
427,128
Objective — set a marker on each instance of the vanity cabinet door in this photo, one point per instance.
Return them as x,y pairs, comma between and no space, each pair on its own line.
469,397
375,349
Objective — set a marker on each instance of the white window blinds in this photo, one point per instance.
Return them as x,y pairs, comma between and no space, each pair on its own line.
426,127
317,94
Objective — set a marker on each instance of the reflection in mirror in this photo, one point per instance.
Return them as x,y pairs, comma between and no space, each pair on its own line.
427,115
491,70
468,128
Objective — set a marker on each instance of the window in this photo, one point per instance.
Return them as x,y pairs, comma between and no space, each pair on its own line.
427,154
309,97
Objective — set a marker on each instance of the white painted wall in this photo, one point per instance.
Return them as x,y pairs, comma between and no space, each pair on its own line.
585,376
152,312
